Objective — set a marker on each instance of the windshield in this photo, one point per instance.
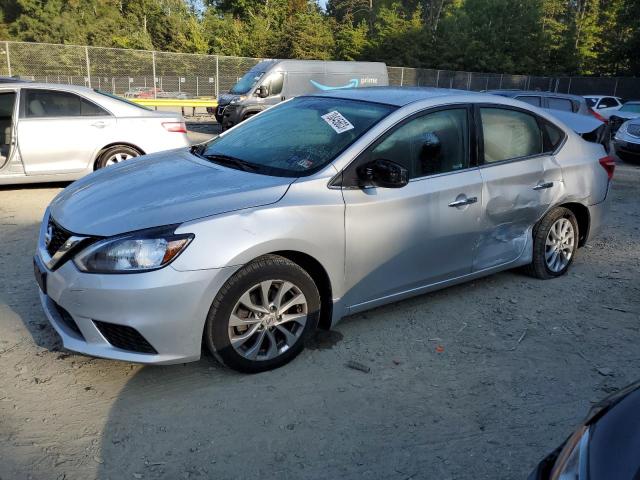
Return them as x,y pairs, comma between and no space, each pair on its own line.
120,99
247,82
591,101
631,107
296,138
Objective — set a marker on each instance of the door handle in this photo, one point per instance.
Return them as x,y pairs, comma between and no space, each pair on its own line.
464,201
99,124
542,186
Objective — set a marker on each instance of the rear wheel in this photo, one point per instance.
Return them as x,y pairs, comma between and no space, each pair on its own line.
116,154
263,315
555,242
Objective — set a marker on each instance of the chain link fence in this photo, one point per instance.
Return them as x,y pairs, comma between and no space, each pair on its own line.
135,73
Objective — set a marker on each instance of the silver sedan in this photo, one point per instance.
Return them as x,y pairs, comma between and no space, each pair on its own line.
54,132
318,208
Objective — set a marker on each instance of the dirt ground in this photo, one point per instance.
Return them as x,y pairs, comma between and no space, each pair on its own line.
476,381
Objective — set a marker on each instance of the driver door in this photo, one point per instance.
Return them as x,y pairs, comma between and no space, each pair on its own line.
402,239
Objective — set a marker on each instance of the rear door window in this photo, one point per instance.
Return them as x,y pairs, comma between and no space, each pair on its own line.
530,99
51,103
556,103
509,134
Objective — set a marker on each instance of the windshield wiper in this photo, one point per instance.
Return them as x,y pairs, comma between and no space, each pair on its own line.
231,162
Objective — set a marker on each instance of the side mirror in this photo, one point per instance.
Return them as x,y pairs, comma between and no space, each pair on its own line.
383,173
262,91
600,106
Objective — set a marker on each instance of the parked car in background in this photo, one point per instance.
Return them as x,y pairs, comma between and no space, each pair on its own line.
604,105
272,81
629,110
143,92
12,80
605,445
568,108
56,132
548,100
627,140
320,207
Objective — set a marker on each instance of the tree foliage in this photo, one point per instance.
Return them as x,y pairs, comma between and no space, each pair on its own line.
515,36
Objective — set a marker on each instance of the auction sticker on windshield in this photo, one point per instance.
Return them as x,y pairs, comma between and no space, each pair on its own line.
337,121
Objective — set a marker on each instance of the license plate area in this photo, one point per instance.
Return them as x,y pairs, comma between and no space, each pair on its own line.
40,274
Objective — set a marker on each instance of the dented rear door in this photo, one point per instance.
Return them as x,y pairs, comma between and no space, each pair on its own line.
520,184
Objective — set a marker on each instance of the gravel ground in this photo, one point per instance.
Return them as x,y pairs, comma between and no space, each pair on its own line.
476,381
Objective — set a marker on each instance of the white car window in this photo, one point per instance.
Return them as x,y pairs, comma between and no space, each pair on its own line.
509,134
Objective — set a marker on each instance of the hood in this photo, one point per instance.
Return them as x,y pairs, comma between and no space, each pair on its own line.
160,189
579,123
225,98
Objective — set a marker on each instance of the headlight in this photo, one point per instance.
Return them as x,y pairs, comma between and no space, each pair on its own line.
572,461
237,100
623,128
136,252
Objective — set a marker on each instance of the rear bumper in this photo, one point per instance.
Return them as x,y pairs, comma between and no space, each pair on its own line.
168,308
597,216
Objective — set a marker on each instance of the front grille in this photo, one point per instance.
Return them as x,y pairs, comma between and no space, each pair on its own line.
57,237
634,130
67,320
124,337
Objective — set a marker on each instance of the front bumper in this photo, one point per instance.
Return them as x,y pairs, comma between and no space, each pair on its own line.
168,308
629,148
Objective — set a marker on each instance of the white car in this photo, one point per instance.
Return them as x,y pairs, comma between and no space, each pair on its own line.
51,132
604,105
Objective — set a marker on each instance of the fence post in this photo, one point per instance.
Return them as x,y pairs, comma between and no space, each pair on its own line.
86,57
197,87
569,87
468,80
153,67
113,85
615,87
501,75
438,79
6,44
217,85
401,76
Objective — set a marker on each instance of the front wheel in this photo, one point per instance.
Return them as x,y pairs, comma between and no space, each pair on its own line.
263,315
555,242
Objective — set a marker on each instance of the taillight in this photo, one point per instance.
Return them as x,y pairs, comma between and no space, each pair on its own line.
598,116
609,164
179,127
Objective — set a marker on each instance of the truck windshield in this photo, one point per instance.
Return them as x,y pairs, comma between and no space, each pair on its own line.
296,138
247,82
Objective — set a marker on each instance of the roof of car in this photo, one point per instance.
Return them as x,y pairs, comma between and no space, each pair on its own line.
517,93
398,96
56,86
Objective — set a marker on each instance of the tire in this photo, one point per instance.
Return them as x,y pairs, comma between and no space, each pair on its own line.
115,154
545,264
259,343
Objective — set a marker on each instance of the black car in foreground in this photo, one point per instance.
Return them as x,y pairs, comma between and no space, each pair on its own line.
606,445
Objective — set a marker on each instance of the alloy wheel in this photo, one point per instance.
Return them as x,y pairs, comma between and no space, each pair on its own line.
559,245
268,320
